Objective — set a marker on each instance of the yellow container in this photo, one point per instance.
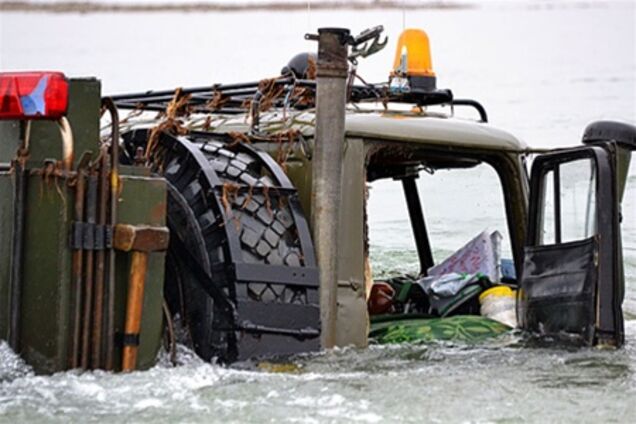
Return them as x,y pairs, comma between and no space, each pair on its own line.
502,291
499,304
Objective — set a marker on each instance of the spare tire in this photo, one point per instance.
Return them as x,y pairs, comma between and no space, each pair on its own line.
229,211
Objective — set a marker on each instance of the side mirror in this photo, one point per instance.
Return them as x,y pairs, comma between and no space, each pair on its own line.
622,133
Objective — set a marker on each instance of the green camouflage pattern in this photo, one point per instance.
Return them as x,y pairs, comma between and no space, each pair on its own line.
464,328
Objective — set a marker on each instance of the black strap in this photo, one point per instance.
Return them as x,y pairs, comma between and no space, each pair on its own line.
129,339
86,236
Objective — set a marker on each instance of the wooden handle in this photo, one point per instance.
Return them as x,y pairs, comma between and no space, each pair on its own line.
134,307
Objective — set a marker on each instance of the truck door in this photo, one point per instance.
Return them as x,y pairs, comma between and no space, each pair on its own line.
571,284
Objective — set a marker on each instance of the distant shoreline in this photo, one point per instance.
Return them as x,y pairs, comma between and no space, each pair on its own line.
199,6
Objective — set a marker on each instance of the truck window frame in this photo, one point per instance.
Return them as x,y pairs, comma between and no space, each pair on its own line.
508,165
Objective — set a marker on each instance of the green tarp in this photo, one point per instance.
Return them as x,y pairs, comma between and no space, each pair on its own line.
464,328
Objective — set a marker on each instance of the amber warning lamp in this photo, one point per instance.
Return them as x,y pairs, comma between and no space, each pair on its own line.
413,67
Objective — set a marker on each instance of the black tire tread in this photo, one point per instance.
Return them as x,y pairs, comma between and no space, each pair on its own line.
265,224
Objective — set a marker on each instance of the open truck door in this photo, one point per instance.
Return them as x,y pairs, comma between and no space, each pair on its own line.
572,284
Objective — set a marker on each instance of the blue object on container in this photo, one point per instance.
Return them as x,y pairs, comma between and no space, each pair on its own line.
508,269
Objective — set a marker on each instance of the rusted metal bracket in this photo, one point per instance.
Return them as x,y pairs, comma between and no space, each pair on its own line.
140,238
363,45
332,52
367,43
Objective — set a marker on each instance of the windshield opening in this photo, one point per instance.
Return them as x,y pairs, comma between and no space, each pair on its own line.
458,205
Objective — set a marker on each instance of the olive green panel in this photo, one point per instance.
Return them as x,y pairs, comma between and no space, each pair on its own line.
353,319
299,171
142,202
9,140
46,292
46,297
46,287
6,230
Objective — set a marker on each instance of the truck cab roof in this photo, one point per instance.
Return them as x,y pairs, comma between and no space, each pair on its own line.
431,130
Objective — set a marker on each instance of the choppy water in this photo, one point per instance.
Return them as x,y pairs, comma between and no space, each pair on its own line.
543,74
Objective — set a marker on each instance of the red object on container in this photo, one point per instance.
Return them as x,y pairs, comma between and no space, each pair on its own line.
381,298
33,95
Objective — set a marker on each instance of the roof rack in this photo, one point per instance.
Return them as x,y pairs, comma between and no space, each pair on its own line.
282,92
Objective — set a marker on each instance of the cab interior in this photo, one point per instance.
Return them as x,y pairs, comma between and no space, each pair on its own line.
443,214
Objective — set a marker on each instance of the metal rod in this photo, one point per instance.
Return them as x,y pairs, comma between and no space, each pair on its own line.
134,305
17,246
17,254
483,116
162,108
418,224
91,212
109,344
77,268
100,260
332,69
193,90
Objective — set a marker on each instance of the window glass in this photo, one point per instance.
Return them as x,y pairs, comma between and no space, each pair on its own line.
576,208
461,203
391,242
578,200
547,231
458,204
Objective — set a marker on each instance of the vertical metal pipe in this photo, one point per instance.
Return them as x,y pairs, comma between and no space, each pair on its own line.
89,271
112,220
100,261
19,200
17,253
331,77
77,265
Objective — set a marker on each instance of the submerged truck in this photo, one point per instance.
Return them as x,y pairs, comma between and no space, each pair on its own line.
233,217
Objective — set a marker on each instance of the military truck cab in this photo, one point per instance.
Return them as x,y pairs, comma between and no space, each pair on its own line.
202,209
553,220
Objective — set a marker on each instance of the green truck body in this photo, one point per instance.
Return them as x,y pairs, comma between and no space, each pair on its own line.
46,328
